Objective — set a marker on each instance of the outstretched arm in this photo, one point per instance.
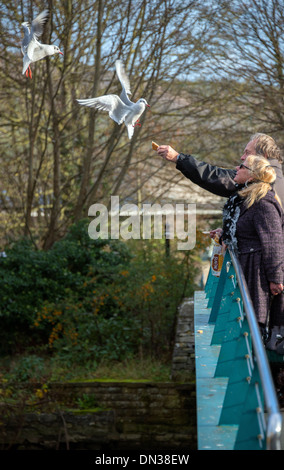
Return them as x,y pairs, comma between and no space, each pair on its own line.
216,180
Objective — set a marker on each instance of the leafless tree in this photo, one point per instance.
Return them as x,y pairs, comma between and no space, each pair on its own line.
58,158
211,71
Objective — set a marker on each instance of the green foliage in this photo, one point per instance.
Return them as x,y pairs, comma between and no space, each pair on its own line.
91,300
28,368
30,278
87,401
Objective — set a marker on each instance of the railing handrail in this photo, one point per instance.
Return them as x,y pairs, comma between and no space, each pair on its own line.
274,420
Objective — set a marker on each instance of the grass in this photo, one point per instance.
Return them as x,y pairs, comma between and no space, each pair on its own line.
134,370
33,368
25,381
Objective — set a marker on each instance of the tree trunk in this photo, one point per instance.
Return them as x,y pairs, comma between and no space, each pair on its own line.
92,122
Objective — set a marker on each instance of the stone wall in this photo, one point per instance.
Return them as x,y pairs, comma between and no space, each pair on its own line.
183,360
124,415
128,416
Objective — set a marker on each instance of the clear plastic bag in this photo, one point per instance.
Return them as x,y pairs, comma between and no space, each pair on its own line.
217,257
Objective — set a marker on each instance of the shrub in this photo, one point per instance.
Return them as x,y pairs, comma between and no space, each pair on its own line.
32,278
88,300
27,368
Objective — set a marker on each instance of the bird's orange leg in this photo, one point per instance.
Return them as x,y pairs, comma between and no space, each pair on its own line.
137,123
29,72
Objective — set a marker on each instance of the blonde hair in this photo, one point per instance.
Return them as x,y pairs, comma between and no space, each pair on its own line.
263,177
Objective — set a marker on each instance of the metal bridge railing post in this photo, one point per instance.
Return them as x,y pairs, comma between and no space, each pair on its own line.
274,419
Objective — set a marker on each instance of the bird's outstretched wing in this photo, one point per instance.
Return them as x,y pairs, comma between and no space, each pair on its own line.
26,38
111,103
38,24
124,81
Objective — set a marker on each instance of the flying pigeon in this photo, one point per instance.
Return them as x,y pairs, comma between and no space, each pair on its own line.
120,109
32,49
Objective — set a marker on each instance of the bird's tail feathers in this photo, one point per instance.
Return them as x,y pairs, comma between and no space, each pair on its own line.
26,63
130,131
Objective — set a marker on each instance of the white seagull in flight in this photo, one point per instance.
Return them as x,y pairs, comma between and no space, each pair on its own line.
32,49
120,109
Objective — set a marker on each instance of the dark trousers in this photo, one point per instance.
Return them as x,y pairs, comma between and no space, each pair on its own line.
277,311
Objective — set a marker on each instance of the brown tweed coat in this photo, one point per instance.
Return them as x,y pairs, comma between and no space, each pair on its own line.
260,235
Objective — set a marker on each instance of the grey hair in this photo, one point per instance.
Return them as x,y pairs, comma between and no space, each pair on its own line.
266,146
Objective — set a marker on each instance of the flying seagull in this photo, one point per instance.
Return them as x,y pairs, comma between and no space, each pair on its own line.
120,109
32,49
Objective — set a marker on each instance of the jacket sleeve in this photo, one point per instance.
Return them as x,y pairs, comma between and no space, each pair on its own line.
268,224
214,179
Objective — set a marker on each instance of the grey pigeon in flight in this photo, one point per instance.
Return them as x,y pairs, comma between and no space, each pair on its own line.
32,49
120,109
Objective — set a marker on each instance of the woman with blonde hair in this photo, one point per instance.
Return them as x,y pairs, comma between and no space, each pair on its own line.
253,225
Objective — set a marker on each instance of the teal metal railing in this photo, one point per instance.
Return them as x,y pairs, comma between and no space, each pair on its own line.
250,405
